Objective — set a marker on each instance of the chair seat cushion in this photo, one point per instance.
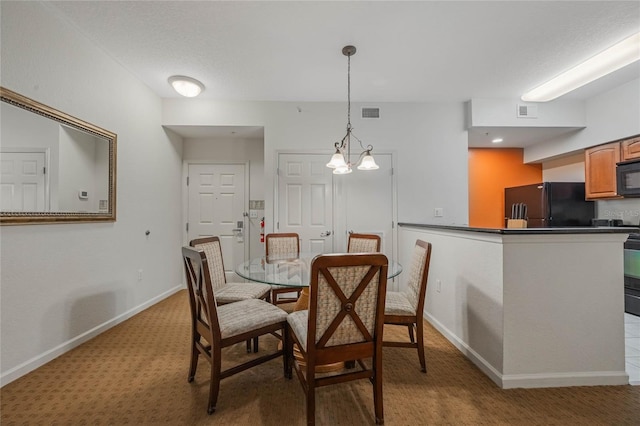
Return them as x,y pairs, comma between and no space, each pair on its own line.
234,292
397,303
246,315
299,322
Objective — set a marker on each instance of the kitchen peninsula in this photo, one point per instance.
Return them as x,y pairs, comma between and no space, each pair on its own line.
532,307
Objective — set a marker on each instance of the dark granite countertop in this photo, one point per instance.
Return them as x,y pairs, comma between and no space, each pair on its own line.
529,231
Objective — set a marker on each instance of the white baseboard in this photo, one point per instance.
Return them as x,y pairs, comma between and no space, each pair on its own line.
473,356
543,380
554,380
40,360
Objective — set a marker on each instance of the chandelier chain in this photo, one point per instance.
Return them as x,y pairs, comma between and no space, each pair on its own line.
349,92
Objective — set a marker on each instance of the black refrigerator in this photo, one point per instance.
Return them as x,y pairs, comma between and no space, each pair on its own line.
549,204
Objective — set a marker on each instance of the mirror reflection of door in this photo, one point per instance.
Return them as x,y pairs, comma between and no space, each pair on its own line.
216,206
23,182
305,200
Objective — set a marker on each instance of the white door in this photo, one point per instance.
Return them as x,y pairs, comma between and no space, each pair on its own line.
305,200
216,208
368,203
22,182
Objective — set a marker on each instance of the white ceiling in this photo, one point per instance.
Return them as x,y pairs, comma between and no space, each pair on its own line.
408,51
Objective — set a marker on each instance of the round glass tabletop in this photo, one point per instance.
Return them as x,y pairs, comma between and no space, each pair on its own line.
289,270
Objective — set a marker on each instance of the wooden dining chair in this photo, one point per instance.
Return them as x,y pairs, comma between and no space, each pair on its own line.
344,322
216,327
363,243
227,292
407,307
282,244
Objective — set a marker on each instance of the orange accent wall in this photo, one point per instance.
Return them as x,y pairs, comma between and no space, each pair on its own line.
492,170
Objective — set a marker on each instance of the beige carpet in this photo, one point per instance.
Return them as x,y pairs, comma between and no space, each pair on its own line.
136,373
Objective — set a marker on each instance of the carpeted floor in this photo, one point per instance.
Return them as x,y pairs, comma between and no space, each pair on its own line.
136,373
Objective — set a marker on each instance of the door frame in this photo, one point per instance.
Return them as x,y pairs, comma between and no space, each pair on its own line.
185,199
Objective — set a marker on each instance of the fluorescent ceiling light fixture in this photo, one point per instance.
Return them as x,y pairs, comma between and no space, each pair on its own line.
608,61
497,140
186,86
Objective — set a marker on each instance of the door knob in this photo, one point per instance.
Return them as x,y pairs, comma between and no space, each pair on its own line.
325,233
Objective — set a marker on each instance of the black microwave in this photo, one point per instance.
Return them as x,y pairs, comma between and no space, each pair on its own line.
628,178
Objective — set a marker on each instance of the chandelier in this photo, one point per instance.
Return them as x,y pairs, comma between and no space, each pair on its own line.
341,160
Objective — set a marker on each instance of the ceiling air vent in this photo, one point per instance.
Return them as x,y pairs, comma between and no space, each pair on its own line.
370,112
527,111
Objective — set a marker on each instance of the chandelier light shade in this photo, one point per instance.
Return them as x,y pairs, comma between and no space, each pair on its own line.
341,160
186,86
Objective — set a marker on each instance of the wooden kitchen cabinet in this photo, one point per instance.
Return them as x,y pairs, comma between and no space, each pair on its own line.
630,148
600,170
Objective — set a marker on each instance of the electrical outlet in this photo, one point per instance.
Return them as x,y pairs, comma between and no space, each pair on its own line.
438,212
253,214
139,274
438,285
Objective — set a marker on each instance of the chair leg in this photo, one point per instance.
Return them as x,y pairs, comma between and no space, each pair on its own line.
194,361
410,327
311,401
285,351
287,347
377,391
420,335
214,386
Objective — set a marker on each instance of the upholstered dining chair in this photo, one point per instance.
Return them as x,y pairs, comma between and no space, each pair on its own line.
363,243
227,292
344,322
216,327
407,307
281,244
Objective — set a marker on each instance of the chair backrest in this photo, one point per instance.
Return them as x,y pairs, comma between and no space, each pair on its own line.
204,314
363,243
418,274
213,250
282,243
346,306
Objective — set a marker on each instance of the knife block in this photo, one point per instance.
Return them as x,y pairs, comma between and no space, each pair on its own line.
516,223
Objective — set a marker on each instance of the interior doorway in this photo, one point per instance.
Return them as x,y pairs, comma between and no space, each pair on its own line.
217,206
323,208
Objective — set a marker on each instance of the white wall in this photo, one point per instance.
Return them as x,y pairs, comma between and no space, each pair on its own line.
528,310
61,284
569,168
234,151
610,116
430,141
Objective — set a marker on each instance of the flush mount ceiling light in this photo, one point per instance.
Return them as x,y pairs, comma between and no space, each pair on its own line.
497,140
341,160
186,86
608,61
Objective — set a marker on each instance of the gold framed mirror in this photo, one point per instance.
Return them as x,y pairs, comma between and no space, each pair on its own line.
55,168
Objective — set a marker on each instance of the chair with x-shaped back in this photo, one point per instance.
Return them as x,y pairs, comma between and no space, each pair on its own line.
216,327
363,243
407,307
278,245
344,322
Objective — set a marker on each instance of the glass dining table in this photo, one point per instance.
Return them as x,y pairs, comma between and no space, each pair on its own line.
292,270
